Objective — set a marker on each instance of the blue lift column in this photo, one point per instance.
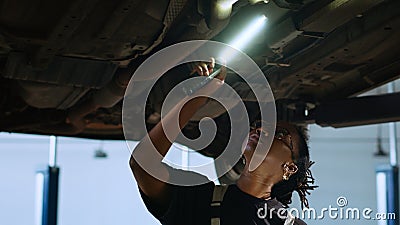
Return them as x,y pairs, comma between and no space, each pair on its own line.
47,189
387,180
387,187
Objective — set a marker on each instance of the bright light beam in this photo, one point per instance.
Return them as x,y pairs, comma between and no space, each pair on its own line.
245,36
241,40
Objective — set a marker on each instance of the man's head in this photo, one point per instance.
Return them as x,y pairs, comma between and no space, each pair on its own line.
287,162
302,180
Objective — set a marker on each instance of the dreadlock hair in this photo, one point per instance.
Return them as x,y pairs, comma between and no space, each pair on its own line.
302,180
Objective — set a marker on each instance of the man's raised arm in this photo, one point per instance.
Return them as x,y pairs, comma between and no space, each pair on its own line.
153,188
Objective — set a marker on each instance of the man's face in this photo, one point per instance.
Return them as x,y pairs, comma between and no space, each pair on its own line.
285,145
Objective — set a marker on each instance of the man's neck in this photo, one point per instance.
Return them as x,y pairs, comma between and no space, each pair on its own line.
257,186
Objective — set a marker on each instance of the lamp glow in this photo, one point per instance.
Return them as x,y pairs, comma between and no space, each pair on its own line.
245,36
226,5
228,53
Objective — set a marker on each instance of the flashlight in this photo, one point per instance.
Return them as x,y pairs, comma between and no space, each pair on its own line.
239,43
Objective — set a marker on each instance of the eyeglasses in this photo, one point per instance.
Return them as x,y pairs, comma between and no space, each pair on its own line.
281,134
284,135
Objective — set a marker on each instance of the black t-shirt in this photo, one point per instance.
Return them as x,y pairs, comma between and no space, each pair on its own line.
190,205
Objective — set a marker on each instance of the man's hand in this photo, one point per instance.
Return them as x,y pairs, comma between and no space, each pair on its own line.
206,68
207,87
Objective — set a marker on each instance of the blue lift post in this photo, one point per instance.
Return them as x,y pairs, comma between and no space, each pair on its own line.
47,189
387,179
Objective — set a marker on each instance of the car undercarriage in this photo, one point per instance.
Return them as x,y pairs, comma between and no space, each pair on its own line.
65,65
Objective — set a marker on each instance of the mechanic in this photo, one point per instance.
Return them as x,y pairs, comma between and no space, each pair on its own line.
249,201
